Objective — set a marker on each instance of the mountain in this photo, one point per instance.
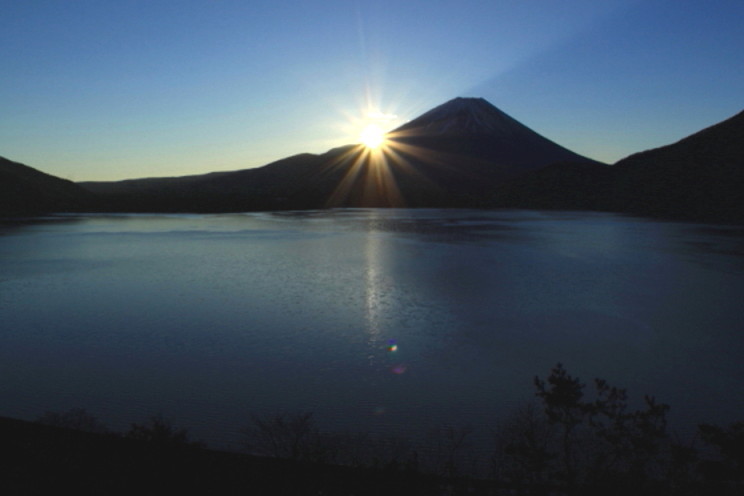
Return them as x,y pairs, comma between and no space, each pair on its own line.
27,191
463,153
472,127
560,186
452,156
699,177
263,188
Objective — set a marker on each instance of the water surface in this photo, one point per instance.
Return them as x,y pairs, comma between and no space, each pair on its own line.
208,319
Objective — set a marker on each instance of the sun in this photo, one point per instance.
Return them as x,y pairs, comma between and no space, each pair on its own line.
372,136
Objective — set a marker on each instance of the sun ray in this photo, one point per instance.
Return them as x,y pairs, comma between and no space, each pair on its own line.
385,166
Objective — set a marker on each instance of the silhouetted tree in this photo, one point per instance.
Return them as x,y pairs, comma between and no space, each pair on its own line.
75,418
524,457
295,437
726,468
160,432
584,442
561,398
281,436
629,443
447,443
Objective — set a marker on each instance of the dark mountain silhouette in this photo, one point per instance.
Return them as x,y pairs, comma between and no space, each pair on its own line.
464,153
452,156
561,186
472,127
263,188
27,191
699,177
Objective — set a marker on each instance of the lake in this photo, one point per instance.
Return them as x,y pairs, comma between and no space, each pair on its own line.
376,320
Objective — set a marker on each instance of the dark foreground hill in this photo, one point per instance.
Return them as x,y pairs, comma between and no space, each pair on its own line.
576,440
27,191
41,459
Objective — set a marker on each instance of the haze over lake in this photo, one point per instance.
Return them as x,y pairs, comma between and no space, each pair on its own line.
376,320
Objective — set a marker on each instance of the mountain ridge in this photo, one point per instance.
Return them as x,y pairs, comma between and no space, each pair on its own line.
452,156
461,115
699,176
28,191
463,153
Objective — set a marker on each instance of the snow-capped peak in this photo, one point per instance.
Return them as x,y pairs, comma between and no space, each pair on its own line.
463,116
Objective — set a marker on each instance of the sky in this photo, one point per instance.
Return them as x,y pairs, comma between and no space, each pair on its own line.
109,90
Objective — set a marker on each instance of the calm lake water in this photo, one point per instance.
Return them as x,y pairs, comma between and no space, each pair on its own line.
208,319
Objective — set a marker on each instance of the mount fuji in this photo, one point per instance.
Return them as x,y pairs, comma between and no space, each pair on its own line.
482,147
474,127
454,155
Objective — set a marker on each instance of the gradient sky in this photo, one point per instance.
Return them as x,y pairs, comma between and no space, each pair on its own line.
104,90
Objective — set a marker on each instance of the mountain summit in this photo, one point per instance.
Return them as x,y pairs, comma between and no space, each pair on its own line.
467,129
463,116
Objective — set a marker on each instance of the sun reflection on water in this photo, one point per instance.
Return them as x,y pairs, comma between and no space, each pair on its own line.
374,294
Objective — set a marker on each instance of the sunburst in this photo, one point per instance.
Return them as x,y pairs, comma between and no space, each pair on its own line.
372,136
371,169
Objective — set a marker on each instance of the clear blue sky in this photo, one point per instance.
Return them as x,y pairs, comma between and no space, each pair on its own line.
102,90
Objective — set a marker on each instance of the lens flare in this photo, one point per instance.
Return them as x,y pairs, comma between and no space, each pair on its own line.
399,369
